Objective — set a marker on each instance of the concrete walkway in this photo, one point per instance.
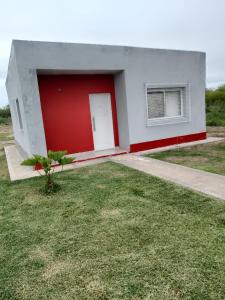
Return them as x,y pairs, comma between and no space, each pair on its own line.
204,182
18,172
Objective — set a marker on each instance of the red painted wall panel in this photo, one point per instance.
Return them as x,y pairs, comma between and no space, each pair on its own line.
66,110
167,142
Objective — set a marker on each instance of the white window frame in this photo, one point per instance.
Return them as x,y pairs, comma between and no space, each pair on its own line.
185,103
164,99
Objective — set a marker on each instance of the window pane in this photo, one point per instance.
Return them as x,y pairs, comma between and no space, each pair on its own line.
155,105
19,114
173,103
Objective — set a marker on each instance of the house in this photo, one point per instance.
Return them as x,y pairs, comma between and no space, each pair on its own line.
85,98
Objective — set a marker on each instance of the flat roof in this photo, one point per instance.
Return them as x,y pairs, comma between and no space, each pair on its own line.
102,45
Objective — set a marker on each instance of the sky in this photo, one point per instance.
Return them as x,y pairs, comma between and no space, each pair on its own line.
171,24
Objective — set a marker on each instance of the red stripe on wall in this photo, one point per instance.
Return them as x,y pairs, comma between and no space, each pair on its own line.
66,110
168,142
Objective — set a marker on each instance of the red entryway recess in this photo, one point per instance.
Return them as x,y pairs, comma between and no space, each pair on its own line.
66,110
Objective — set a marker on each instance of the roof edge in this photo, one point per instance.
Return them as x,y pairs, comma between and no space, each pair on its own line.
18,41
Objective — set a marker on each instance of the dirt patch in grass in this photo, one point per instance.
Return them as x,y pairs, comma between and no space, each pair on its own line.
216,131
7,129
41,253
110,213
51,266
100,186
95,287
5,133
55,268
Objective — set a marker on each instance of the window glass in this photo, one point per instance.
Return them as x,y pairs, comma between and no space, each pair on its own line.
156,105
173,103
164,103
19,114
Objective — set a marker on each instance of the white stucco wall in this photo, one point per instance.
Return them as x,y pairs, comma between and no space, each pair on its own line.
165,68
133,68
14,92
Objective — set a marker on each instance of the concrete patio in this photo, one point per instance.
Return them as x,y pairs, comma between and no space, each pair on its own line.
18,172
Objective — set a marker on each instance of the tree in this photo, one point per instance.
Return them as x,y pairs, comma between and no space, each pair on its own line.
47,163
215,106
5,116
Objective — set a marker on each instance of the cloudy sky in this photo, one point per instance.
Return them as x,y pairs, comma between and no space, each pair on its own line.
172,24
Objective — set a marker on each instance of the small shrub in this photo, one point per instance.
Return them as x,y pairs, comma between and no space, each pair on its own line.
47,163
215,106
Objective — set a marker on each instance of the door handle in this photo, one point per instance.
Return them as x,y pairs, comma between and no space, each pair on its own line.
93,122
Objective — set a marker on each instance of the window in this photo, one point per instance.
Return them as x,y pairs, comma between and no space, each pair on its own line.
19,114
165,103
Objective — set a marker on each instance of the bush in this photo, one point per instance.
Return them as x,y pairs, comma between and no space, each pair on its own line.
215,106
47,164
5,115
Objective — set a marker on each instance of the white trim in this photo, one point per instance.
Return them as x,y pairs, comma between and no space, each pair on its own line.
167,121
166,85
170,120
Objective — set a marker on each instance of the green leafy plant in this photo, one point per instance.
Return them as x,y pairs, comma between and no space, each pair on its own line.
5,116
47,164
215,106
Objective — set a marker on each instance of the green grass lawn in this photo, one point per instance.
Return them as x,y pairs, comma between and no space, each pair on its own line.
207,157
215,106
110,233
6,137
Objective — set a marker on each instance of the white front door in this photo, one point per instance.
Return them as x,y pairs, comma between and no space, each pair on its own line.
102,124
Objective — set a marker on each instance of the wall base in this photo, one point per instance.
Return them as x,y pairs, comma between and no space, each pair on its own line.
168,142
